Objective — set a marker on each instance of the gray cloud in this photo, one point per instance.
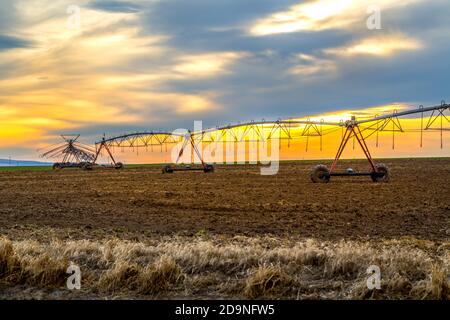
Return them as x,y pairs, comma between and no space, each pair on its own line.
116,6
186,16
8,42
8,15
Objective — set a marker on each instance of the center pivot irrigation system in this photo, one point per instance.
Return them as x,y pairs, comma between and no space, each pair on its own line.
74,154
432,119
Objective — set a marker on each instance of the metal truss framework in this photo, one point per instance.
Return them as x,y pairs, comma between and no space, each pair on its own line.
71,152
432,119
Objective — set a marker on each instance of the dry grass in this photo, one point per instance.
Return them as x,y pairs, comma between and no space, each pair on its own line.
151,279
267,282
238,267
47,269
8,260
122,276
160,276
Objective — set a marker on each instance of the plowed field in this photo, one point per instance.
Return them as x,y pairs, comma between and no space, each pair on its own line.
234,200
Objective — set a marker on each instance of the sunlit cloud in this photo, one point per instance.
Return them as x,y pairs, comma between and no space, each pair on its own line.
362,113
205,65
320,15
378,46
309,65
178,103
307,16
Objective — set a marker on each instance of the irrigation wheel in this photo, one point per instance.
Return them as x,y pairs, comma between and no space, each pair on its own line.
119,166
384,170
167,169
208,168
56,166
87,166
320,174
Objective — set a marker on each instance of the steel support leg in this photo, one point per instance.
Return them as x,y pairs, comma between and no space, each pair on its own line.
180,154
362,143
345,138
355,132
199,155
110,154
103,145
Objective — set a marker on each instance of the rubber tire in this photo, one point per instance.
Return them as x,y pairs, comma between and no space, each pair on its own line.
320,174
167,169
208,168
119,166
56,166
87,167
382,168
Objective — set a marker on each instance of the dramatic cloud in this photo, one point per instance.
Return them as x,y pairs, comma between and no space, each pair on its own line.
321,15
134,65
378,46
7,42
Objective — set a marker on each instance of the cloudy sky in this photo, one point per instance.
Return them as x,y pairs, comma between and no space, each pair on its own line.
94,66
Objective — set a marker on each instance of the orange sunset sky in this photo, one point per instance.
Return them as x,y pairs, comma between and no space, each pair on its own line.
95,67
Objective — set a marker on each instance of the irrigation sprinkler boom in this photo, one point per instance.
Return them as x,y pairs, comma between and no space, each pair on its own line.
193,138
352,129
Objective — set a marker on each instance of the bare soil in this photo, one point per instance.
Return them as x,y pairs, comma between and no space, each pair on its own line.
234,200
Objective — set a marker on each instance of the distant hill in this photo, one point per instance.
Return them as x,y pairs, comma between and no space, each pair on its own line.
22,163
